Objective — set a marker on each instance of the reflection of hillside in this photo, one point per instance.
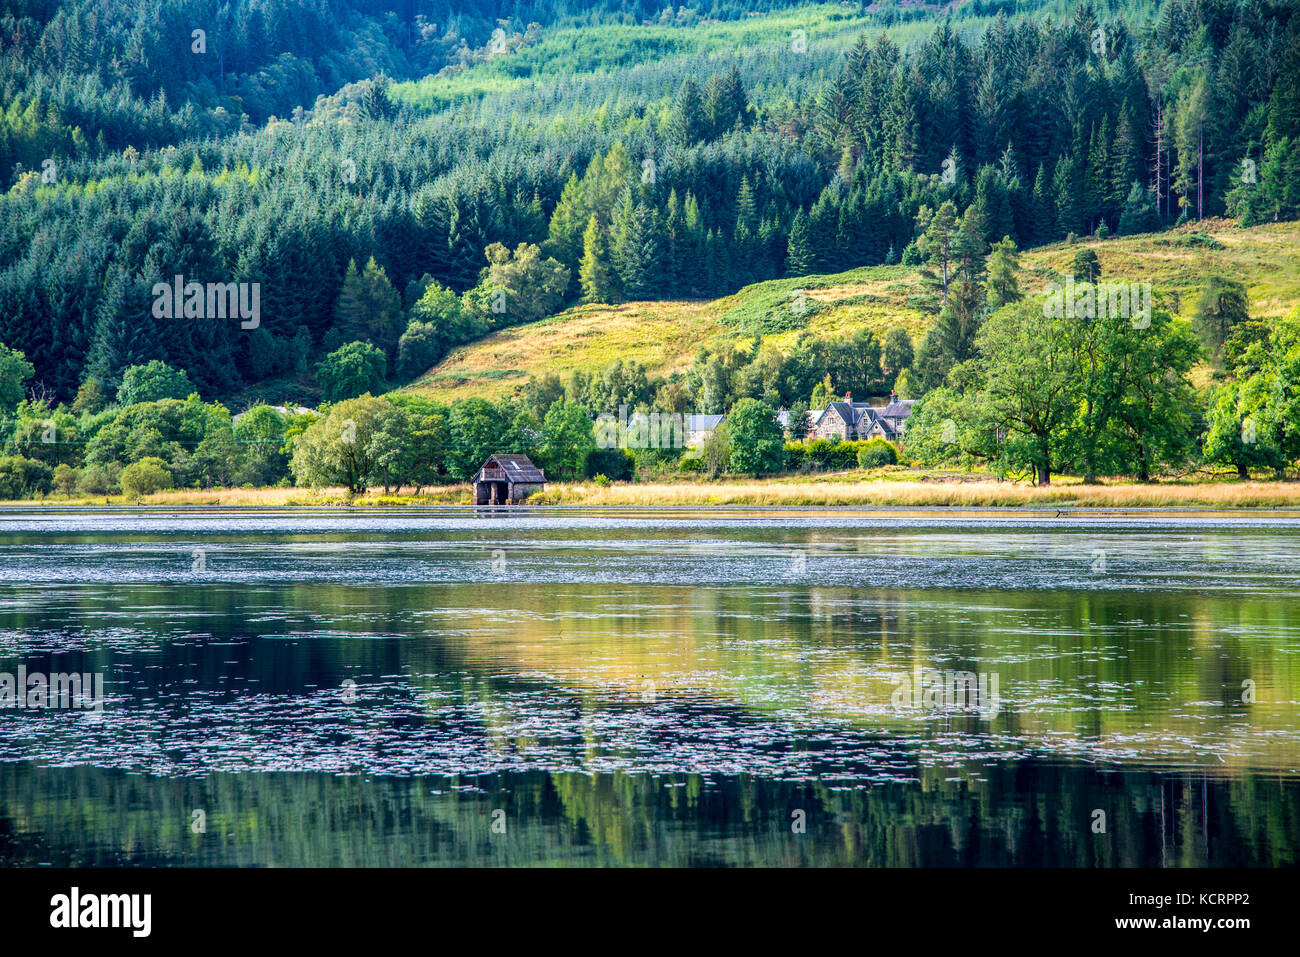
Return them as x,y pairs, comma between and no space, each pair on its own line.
1084,665
1084,673
97,817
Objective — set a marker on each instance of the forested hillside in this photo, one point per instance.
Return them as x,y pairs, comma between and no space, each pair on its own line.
543,154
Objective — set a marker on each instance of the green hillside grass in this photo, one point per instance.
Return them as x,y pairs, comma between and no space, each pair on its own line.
576,50
665,335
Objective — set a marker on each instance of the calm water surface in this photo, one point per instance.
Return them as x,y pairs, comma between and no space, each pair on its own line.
546,686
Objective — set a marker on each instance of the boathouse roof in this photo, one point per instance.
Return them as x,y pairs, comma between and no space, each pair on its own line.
518,468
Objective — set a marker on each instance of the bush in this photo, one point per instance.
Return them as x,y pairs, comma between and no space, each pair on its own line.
876,453
614,463
65,478
100,479
842,455
691,463
796,454
419,349
22,477
819,451
602,480
145,477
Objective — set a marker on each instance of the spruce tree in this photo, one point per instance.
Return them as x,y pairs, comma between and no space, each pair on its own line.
1043,210
799,250
1003,264
594,272
690,125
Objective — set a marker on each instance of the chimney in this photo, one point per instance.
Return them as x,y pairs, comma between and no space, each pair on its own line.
893,396
848,397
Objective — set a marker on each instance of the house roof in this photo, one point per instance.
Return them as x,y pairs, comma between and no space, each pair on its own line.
703,423
898,409
518,468
851,412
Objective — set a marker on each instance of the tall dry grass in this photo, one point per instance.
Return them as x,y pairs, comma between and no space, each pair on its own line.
840,490
1215,495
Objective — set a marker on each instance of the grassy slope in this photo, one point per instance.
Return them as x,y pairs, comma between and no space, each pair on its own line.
567,50
574,51
665,335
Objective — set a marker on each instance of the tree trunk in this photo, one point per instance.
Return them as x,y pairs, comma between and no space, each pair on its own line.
1044,474
1242,471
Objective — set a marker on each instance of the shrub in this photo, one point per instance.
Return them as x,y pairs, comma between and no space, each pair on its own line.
614,463
819,451
602,480
419,349
65,478
796,455
842,455
145,477
100,479
691,463
874,454
22,477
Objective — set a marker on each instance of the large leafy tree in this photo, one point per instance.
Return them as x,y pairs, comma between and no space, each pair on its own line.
15,371
350,370
567,440
1028,372
339,448
152,381
756,441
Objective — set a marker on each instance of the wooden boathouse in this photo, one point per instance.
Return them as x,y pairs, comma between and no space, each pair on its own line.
507,479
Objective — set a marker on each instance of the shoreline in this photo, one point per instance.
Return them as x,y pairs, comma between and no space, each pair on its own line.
831,492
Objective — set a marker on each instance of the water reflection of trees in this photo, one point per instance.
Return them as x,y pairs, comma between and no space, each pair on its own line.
1140,677
1029,815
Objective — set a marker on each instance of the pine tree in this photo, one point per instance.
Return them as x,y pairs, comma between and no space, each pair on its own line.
690,125
1043,215
823,223
1139,215
746,209
1126,162
694,277
1065,190
940,242
564,234
594,272
635,249
368,308
1003,264
799,250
